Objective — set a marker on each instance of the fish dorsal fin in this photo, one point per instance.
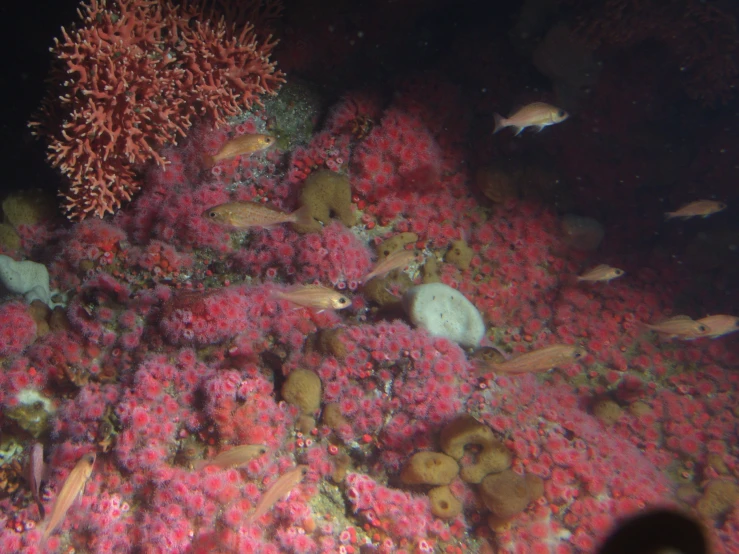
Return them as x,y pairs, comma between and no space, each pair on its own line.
681,317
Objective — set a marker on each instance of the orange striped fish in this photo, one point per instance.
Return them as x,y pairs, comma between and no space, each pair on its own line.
541,359
537,115
315,296
279,488
397,260
680,327
73,487
36,470
244,215
240,146
602,272
234,457
701,208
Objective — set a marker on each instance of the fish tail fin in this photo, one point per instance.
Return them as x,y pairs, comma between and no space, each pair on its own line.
393,294
46,532
500,122
278,294
304,217
208,160
669,215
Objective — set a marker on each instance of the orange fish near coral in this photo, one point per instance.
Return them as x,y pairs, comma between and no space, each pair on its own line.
315,296
541,359
681,327
702,208
720,325
36,469
240,146
537,115
397,260
602,272
234,457
277,490
73,487
244,215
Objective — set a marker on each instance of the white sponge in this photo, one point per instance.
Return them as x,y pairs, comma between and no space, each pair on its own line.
444,312
28,278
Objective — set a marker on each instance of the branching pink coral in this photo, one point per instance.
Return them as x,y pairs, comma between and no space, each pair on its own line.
130,79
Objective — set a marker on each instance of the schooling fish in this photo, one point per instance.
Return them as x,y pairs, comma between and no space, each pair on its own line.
602,272
315,296
541,359
234,457
240,146
73,487
720,325
537,115
244,215
680,327
277,490
702,208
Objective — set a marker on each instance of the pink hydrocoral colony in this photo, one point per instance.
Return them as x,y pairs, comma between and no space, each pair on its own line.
130,79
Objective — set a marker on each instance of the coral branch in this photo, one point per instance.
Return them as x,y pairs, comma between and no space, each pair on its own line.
130,79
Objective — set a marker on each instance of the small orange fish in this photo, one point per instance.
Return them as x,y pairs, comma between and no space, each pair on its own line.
396,260
680,327
602,272
277,490
234,457
537,115
541,359
36,469
315,296
720,325
702,208
73,487
244,215
240,146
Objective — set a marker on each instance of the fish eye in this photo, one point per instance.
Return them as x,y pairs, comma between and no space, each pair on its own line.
561,113
342,300
702,328
576,354
619,272
212,214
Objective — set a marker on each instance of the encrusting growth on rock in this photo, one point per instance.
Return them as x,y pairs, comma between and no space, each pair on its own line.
326,193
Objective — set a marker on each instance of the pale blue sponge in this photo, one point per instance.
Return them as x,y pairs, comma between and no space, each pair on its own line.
28,278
